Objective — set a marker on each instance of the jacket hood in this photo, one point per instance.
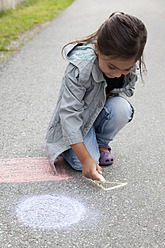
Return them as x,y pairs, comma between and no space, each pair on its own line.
78,51
83,56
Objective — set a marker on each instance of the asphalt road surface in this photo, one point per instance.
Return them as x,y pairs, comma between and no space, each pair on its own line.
39,209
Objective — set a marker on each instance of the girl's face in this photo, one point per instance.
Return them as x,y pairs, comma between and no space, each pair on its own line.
114,67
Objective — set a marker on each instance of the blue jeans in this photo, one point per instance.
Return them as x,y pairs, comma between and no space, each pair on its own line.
117,112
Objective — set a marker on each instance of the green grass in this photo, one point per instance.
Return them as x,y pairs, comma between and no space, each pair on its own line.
25,16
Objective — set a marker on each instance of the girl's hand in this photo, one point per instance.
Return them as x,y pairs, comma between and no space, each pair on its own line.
91,169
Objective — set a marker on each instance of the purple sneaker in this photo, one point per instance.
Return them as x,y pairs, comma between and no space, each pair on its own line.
106,158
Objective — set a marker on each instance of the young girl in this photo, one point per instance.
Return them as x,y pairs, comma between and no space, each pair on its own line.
92,106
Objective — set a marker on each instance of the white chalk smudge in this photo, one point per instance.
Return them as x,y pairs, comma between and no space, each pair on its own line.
49,211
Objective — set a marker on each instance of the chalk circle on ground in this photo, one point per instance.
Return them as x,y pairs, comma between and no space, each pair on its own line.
49,211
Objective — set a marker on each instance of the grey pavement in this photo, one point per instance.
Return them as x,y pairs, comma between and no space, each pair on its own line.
75,212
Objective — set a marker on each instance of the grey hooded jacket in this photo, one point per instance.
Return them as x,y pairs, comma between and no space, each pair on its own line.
81,98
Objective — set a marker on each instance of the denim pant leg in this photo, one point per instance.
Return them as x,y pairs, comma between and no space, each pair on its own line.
116,113
92,147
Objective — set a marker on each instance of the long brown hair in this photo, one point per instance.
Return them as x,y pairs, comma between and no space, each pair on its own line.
120,36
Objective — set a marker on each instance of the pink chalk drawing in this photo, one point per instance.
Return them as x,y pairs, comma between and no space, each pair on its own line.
31,169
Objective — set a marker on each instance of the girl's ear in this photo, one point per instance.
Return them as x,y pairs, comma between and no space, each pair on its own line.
96,48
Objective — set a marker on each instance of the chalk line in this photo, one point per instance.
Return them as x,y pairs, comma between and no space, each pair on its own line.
108,182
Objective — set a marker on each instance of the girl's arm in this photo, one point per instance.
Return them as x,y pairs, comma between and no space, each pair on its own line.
90,167
71,112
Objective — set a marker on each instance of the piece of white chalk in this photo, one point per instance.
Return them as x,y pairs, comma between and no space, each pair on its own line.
102,179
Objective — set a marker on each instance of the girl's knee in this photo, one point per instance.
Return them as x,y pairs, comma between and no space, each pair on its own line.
120,109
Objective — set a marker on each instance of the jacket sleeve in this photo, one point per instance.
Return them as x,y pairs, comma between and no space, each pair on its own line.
72,106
